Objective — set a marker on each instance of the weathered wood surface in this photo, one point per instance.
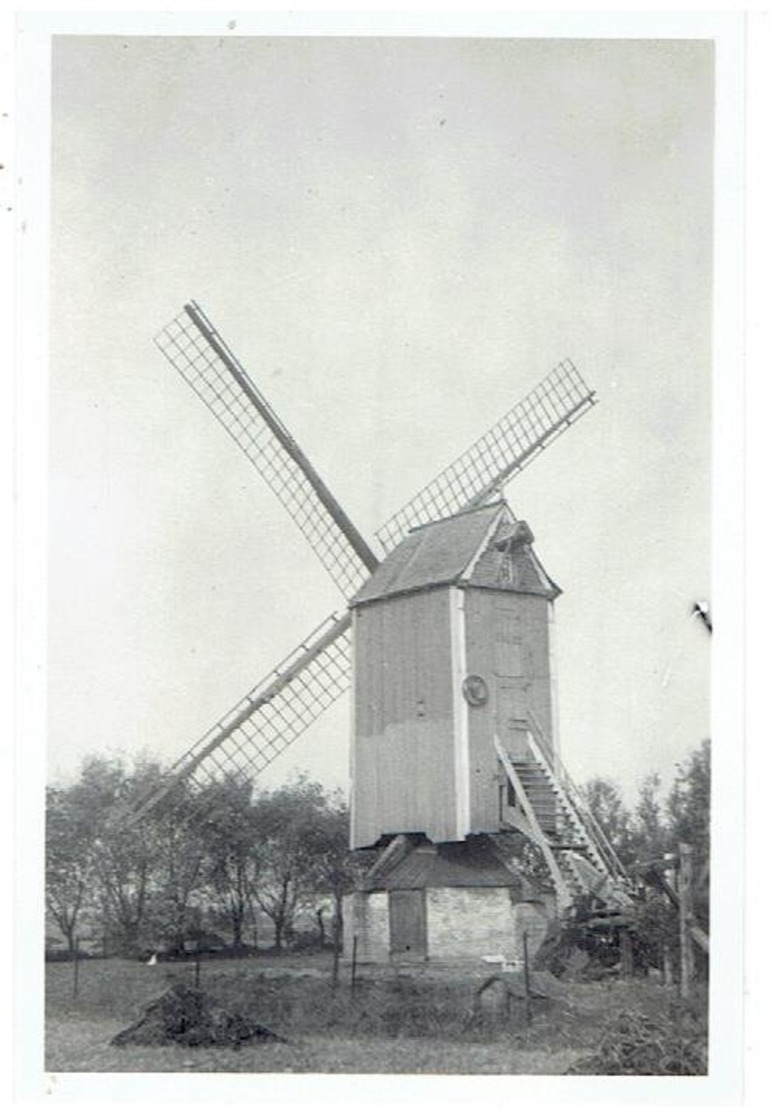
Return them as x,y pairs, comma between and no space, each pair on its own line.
403,732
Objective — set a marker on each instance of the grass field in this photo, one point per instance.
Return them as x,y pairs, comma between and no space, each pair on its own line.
394,1023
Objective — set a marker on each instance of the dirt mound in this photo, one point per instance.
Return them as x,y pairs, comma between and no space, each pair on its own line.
185,1015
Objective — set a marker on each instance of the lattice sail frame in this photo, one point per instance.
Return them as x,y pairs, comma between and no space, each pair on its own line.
195,349
503,451
286,702
271,716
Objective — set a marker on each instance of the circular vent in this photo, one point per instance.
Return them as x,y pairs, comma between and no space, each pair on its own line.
475,690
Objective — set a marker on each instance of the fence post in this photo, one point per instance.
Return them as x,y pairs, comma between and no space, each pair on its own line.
526,970
353,964
685,896
76,967
335,955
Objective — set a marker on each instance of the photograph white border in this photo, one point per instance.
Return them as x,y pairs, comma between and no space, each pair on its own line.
31,237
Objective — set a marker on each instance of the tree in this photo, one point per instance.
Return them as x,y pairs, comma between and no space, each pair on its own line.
604,800
649,831
123,852
332,865
688,803
297,851
177,875
688,810
229,834
647,839
70,874
95,858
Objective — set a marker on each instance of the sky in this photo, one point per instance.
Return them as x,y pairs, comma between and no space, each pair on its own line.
398,238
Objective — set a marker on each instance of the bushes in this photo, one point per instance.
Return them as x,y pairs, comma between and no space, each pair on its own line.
635,1043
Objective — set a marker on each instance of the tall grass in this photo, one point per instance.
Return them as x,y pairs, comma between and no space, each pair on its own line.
398,1007
615,1026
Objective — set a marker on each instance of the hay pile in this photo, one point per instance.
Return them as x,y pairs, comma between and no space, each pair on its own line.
187,1016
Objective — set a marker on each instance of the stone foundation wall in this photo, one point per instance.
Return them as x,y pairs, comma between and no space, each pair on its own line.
469,923
463,925
365,915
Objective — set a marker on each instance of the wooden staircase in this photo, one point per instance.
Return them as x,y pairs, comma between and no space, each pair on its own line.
544,804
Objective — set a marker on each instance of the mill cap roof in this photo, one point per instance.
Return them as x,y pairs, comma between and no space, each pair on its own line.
484,547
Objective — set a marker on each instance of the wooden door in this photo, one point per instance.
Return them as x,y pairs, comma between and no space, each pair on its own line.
511,723
511,658
407,924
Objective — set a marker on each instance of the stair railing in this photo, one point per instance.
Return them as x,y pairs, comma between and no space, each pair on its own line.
563,893
575,801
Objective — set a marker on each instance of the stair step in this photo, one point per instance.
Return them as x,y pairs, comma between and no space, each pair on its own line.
560,819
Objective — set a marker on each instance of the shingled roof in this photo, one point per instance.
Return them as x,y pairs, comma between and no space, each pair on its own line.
484,547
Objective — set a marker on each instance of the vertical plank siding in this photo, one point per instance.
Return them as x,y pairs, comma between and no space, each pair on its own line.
408,711
403,763
508,643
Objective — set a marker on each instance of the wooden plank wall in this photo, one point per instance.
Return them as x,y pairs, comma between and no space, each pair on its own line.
402,746
507,643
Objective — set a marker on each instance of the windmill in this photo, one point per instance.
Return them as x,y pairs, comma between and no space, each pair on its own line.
459,514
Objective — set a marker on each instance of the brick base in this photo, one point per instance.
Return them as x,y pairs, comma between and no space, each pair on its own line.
463,925
365,916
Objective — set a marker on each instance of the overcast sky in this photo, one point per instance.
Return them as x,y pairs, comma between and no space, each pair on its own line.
398,238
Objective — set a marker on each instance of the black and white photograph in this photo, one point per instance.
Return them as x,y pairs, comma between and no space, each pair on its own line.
380,472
